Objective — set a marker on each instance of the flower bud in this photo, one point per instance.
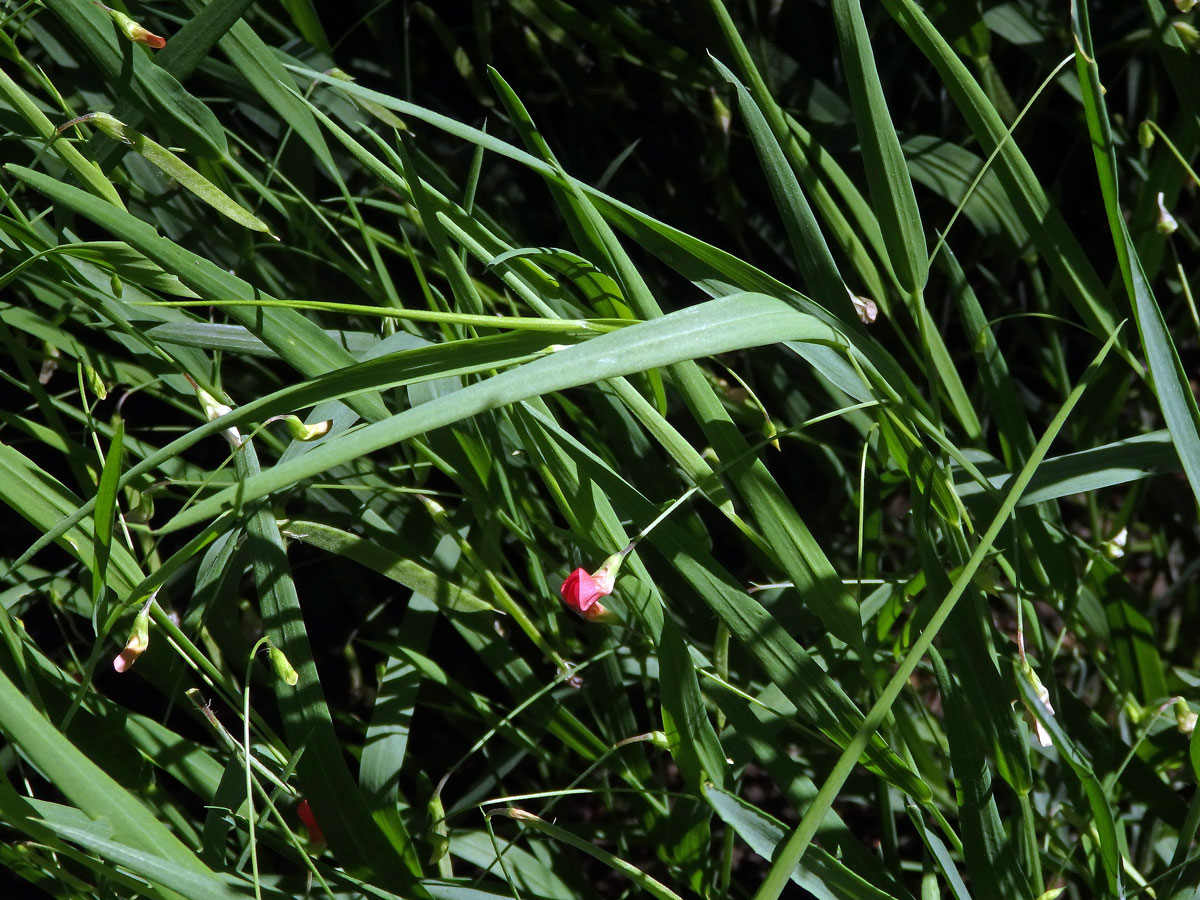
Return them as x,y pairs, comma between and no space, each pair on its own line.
438,833
435,509
110,125
93,380
1185,719
1165,224
1115,547
283,668
305,813
659,740
721,113
1185,5
139,640
133,30
1146,134
301,432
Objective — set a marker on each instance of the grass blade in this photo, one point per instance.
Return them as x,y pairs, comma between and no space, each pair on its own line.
887,174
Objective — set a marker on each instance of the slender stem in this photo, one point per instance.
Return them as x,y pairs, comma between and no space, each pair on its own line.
263,641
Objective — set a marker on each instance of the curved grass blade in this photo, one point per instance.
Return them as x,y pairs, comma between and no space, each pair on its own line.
83,168
393,371
173,167
1106,825
690,733
717,326
389,563
165,873
297,340
813,259
106,508
813,697
86,784
336,798
987,850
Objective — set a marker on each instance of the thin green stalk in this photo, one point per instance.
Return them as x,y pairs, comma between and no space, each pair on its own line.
519,323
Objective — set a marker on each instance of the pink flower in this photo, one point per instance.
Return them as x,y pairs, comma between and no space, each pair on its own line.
581,590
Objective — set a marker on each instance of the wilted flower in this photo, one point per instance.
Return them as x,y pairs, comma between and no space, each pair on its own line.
300,431
721,112
214,409
867,309
1114,548
1187,33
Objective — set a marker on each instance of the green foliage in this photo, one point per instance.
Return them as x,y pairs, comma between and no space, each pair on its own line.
920,622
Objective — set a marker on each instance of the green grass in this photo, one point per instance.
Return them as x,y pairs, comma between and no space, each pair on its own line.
911,607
